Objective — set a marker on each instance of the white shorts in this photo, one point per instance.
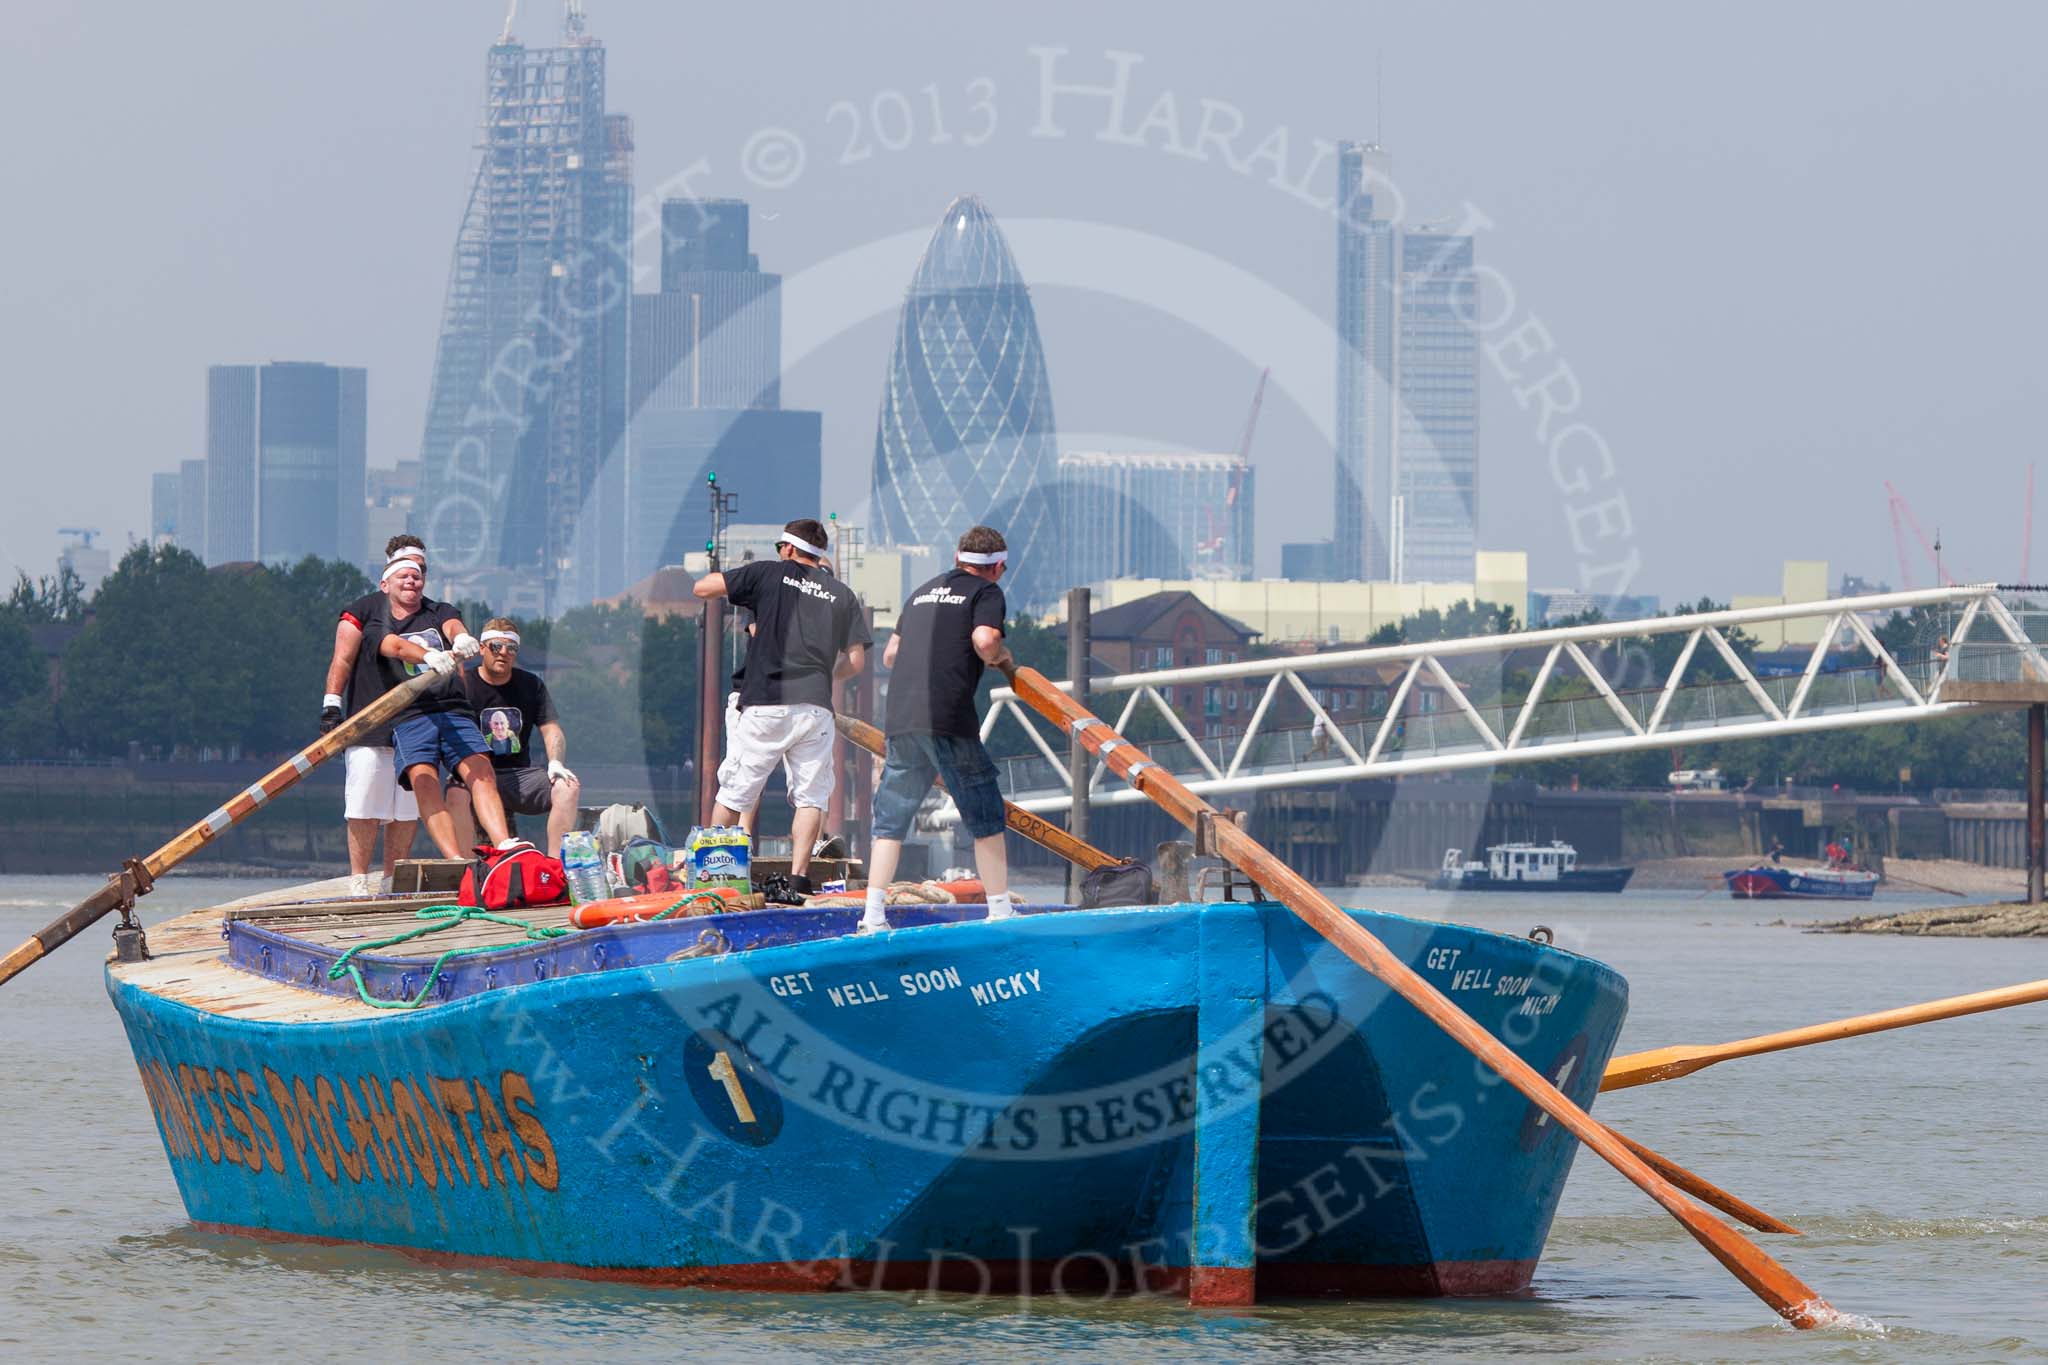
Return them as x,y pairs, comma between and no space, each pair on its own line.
800,737
372,790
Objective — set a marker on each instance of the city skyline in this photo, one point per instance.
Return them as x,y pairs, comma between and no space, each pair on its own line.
1579,207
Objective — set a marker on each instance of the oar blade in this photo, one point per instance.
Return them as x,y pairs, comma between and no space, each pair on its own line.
1660,1064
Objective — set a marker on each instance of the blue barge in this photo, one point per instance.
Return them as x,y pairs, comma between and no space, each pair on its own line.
1206,1100
1767,882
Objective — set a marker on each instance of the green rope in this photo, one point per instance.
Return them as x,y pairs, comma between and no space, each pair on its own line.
692,896
441,917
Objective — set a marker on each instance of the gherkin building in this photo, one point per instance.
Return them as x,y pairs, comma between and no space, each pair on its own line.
966,433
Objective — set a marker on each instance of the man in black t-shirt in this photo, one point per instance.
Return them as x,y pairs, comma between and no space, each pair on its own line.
808,632
372,798
949,630
437,731
511,703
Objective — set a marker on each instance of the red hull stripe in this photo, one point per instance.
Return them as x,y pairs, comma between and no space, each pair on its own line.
1079,1274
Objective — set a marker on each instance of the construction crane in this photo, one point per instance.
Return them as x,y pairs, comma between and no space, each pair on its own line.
1211,548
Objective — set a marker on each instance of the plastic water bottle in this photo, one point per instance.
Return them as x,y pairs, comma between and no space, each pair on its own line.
584,868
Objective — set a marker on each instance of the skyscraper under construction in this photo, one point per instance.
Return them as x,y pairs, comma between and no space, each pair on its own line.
522,484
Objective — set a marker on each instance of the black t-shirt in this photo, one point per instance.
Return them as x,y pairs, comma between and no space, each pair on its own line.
803,619
365,683
424,628
507,712
931,687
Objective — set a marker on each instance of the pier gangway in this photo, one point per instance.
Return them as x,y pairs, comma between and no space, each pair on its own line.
1539,695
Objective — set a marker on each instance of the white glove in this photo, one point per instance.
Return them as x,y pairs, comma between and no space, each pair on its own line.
558,771
466,647
440,661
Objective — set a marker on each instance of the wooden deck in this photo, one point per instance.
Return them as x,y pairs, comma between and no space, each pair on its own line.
188,963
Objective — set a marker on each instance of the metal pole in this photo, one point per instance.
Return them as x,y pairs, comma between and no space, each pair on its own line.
711,681
2037,721
863,689
1079,639
711,688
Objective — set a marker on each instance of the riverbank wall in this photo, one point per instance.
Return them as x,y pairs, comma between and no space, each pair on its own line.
88,817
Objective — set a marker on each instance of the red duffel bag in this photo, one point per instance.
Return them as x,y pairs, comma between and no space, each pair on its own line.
511,878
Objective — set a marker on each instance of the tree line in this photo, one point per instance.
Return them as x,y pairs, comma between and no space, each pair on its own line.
172,660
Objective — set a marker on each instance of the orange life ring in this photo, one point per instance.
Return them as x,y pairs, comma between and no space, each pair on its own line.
624,909
967,892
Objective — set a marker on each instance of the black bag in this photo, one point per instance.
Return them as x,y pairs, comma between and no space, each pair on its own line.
1121,883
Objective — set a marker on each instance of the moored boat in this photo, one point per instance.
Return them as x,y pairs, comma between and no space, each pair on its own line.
1526,867
1774,882
1104,1100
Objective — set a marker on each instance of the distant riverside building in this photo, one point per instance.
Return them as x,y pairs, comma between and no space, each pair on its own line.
1309,561
1548,606
705,393
192,507
1327,613
163,509
1148,515
521,491
966,433
92,563
284,462
1407,455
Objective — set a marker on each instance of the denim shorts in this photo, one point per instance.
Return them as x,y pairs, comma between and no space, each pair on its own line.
441,738
960,762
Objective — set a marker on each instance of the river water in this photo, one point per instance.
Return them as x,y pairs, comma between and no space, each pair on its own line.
1916,1162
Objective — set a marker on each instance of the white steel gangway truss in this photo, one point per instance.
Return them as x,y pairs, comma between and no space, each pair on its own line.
1591,689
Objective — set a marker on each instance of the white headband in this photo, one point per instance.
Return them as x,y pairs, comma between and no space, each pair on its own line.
797,541
970,557
410,554
491,635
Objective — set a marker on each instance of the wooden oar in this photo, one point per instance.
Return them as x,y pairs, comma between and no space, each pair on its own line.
1768,1280
139,874
1039,831
1669,1063
1704,1191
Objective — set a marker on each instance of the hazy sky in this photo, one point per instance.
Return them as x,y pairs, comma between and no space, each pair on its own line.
1782,253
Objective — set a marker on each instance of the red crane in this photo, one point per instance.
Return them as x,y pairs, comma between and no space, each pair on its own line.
1212,544
1902,518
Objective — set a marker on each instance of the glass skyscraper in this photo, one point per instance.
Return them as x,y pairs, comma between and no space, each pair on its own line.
1436,454
705,392
1365,364
284,462
966,434
520,491
1407,467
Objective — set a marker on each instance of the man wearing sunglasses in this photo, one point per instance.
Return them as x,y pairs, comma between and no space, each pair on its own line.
513,703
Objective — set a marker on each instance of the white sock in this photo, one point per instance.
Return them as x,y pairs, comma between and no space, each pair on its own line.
999,906
875,916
